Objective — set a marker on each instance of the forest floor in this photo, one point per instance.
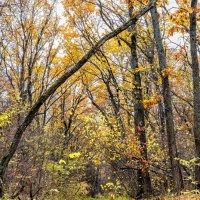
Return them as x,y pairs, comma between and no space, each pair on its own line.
187,196
181,197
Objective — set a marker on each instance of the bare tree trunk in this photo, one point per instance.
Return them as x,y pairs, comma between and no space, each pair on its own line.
196,87
42,99
143,177
171,136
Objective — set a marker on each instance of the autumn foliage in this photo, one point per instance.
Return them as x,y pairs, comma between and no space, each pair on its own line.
105,130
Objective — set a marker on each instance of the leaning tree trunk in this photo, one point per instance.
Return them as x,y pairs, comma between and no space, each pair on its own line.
171,136
42,99
143,177
196,87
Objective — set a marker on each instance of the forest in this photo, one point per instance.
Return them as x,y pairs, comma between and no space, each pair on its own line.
99,99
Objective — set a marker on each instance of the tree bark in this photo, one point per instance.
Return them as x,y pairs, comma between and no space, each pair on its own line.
171,136
196,87
42,99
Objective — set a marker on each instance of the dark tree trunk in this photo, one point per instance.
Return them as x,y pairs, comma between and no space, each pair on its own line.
143,177
93,179
171,136
196,87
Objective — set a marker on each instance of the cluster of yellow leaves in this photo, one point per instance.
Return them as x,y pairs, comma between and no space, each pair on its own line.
184,126
149,103
6,116
74,155
180,18
133,149
142,68
169,72
175,75
113,46
136,2
178,55
4,119
62,162
175,29
155,148
79,7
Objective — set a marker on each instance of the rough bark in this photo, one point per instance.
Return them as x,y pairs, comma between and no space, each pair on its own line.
196,86
42,99
171,136
143,177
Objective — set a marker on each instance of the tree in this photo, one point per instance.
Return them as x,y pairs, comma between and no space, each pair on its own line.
144,181
175,166
196,85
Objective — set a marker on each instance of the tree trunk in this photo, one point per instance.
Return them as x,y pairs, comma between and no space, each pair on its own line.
143,177
196,87
171,136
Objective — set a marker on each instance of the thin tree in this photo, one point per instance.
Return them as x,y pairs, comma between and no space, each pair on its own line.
196,86
144,181
171,136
